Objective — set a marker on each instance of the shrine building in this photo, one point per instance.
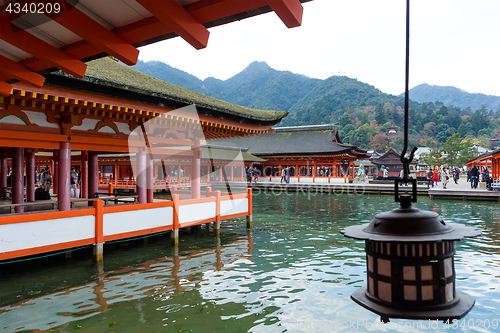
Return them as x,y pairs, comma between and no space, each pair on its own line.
312,154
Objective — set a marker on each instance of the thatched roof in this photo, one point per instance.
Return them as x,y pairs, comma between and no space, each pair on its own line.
109,73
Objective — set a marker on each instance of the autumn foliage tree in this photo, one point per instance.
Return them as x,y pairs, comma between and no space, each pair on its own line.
380,142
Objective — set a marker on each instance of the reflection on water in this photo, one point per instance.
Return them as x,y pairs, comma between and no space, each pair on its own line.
294,272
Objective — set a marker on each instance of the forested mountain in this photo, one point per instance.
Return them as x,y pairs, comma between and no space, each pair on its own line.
363,112
258,86
453,96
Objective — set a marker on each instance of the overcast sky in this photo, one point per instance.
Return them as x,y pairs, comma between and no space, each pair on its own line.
453,43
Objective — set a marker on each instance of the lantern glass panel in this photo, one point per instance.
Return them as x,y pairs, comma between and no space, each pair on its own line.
449,292
410,293
384,291
448,267
426,272
384,267
370,263
427,293
409,273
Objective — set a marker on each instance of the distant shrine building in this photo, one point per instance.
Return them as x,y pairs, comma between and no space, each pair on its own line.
308,153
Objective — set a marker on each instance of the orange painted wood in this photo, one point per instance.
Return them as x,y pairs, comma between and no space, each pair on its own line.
250,200
233,216
5,89
170,13
289,11
18,71
129,208
175,199
197,222
137,233
195,201
45,216
99,217
47,248
217,206
93,32
40,49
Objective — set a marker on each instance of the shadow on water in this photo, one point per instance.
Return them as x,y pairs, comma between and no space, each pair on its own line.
293,272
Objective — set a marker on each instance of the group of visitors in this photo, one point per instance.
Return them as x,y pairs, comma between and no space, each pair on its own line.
433,176
285,175
475,175
44,179
252,174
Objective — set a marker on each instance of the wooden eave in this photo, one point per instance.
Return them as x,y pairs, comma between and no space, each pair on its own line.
149,21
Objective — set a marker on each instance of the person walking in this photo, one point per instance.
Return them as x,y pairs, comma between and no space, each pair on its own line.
47,180
283,175
456,175
468,175
474,177
385,174
73,181
445,177
430,178
435,176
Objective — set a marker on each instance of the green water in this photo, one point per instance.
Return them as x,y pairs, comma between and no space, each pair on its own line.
293,272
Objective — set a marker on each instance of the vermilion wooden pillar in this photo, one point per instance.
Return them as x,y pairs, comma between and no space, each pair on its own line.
196,171
3,173
84,187
149,178
55,163
93,166
140,176
63,176
17,179
30,177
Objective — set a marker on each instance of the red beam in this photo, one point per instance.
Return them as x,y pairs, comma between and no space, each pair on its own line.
5,89
289,11
93,32
18,71
202,11
170,13
39,49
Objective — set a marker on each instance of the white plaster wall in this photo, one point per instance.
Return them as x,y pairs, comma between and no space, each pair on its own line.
121,222
195,212
40,119
235,206
18,236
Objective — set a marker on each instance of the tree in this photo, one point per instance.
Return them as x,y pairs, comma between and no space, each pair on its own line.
380,114
457,150
379,142
432,159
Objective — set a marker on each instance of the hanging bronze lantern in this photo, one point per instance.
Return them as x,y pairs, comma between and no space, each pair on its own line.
410,267
409,252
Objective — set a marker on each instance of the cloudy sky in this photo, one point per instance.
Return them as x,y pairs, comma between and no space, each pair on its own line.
453,43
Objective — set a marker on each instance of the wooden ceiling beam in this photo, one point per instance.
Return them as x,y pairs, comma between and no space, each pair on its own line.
40,49
175,17
289,11
85,27
18,71
5,88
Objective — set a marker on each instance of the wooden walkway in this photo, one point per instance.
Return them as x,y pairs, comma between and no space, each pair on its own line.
460,191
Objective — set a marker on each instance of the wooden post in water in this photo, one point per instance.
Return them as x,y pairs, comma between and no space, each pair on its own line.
174,235
208,194
217,213
249,216
98,251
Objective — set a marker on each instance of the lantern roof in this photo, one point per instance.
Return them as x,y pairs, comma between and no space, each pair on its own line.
409,224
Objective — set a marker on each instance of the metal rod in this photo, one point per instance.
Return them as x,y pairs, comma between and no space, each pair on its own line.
406,162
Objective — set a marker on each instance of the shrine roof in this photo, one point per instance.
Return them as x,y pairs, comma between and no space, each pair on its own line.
294,142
